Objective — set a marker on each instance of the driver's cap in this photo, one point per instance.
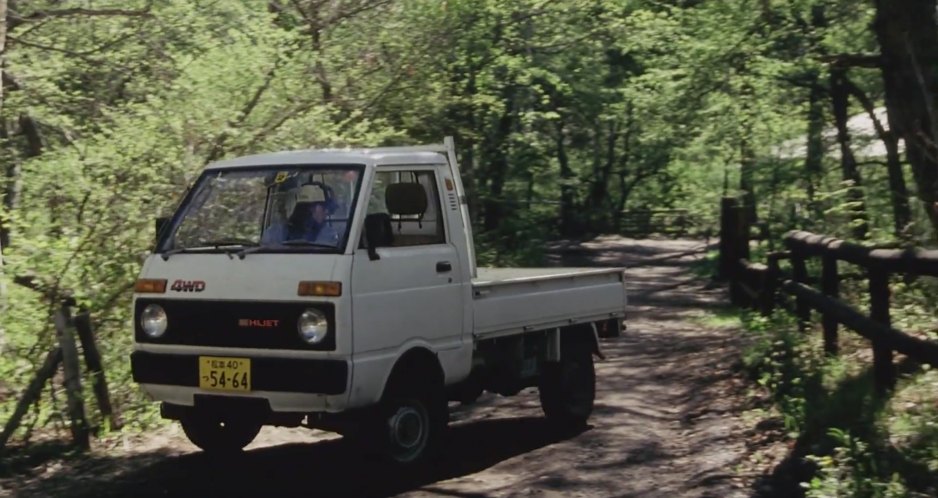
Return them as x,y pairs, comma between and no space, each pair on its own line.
310,193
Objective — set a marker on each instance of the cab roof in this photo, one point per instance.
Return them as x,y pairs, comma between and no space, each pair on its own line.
376,156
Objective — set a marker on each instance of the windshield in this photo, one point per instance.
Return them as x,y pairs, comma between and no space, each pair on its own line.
270,209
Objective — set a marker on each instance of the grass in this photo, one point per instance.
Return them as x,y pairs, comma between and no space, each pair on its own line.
848,439
707,266
718,318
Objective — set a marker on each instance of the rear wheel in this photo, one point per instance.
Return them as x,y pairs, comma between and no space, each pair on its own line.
216,432
567,388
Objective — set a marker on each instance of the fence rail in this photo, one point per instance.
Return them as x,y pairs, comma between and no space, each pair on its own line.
640,222
757,286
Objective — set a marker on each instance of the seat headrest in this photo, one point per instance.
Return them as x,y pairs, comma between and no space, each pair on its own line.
406,198
378,228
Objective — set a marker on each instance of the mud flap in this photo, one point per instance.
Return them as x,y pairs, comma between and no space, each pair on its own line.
597,350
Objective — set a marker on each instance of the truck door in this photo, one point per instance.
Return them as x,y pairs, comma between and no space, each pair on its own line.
412,294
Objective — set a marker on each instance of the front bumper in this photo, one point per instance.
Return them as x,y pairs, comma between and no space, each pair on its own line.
271,375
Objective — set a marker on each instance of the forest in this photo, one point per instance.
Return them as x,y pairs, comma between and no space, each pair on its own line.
819,114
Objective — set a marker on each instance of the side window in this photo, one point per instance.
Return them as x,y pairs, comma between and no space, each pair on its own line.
410,202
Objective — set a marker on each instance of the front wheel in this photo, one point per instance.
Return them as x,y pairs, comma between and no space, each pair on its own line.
219,432
568,388
411,422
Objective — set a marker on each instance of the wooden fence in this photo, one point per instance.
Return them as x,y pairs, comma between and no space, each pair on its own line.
757,285
70,331
642,222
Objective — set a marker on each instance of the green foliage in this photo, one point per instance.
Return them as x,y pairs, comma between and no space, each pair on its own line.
860,443
728,318
565,113
708,266
779,360
850,471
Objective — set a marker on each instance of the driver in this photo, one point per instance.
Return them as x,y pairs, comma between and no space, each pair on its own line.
307,221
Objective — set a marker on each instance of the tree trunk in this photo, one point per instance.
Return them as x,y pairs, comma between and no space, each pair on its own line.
567,221
604,157
10,194
4,231
498,164
467,171
747,166
747,158
623,163
462,126
848,163
814,155
898,193
908,40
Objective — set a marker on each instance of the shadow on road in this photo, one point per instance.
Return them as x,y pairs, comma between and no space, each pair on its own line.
664,419
326,468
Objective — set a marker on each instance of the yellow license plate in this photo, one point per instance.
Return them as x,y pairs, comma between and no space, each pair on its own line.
225,374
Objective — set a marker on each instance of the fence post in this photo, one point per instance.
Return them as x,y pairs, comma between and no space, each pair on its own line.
830,285
884,370
741,278
734,246
741,225
800,274
769,284
76,407
95,367
769,287
729,258
742,234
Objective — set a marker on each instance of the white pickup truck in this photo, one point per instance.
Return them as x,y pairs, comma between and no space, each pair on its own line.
338,289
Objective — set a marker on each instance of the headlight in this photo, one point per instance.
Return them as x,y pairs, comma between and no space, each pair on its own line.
312,326
153,320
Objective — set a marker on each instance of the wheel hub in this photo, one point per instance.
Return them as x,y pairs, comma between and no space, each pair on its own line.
407,428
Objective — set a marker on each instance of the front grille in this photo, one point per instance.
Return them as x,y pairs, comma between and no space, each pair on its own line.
236,324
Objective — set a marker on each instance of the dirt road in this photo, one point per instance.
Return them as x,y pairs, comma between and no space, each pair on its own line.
666,421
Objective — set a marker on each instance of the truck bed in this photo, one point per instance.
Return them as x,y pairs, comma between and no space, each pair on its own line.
509,301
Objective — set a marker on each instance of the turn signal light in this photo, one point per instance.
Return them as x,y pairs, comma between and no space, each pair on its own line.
150,286
308,288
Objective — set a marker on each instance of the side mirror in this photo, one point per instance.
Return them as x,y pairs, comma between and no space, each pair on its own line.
377,233
372,253
161,223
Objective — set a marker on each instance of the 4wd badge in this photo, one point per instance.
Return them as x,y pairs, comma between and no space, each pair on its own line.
188,286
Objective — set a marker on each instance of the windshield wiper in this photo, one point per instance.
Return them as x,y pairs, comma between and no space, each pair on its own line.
293,242
233,243
218,244
248,250
169,252
302,242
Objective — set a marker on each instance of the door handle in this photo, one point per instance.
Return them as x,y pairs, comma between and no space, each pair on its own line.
444,267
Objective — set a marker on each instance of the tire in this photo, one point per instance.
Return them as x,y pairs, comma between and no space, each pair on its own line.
411,422
568,388
219,433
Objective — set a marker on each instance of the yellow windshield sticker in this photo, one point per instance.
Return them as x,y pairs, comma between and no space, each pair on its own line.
281,176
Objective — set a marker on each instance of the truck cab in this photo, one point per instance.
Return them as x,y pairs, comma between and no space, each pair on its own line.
338,289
